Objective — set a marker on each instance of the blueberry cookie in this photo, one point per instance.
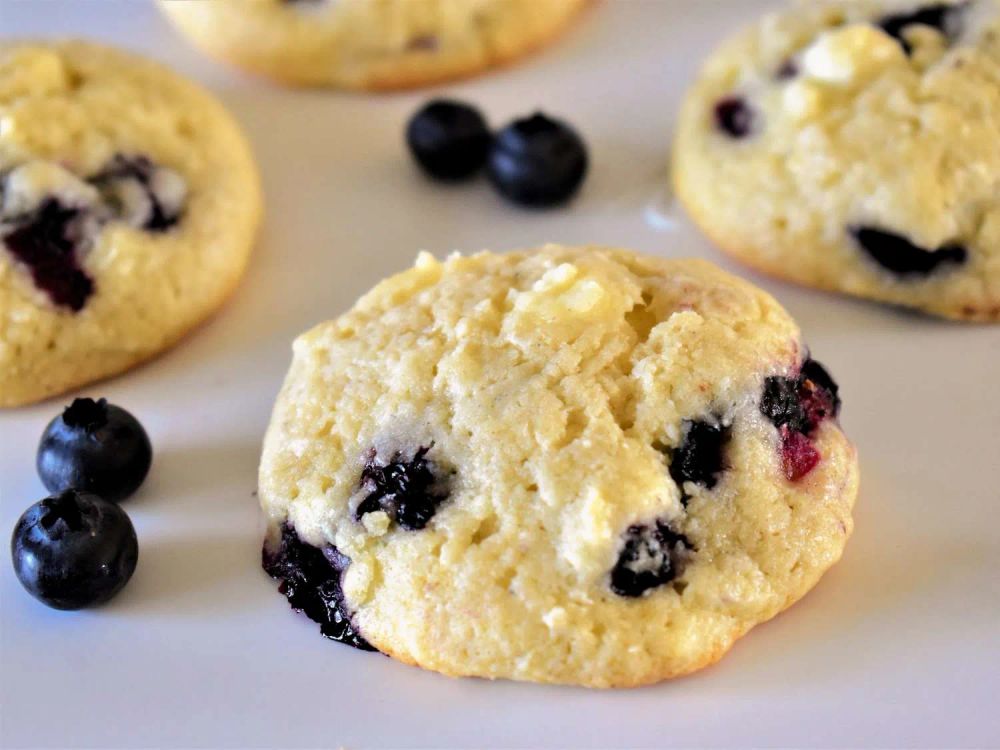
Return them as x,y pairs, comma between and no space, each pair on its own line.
570,465
369,44
852,146
129,201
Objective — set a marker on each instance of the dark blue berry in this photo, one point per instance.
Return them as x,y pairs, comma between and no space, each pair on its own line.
700,458
537,162
74,550
408,490
651,556
448,139
46,242
96,447
941,16
899,255
734,117
310,579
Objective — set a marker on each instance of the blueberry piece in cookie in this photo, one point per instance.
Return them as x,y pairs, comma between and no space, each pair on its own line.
700,458
408,490
142,194
943,17
900,256
796,406
46,242
734,117
309,578
651,556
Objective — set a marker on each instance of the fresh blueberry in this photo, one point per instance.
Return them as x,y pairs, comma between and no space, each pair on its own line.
46,242
700,458
310,579
941,16
408,490
899,255
96,447
448,139
537,161
74,550
734,116
651,556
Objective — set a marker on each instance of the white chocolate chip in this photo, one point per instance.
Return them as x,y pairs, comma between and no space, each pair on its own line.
851,55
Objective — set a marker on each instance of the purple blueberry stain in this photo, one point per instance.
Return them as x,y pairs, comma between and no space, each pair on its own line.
310,578
897,254
796,406
734,116
408,490
47,242
652,555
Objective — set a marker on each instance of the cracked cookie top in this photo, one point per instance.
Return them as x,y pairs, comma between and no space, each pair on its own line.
574,465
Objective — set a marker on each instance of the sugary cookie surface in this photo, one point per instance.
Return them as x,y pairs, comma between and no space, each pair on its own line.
852,146
369,44
128,205
573,465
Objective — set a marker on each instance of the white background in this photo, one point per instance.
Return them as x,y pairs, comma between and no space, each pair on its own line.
898,645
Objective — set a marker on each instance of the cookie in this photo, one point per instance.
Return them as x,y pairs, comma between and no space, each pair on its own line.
129,201
851,146
569,465
369,44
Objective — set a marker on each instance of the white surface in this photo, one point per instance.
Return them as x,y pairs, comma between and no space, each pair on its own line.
897,646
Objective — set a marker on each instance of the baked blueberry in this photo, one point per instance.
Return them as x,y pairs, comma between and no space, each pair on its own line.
899,255
141,193
700,457
734,116
780,403
408,490
798,454
448,139
941,16
74,550
788,70
819,393
651,556
797,406
537,161
310,579
46,242
96,447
